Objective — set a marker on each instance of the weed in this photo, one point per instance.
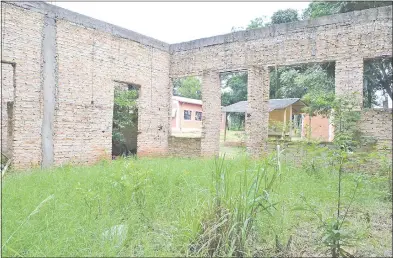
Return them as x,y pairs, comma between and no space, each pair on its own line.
183,207
238,197
334,232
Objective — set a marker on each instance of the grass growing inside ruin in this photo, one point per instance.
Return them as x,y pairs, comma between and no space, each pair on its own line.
165,207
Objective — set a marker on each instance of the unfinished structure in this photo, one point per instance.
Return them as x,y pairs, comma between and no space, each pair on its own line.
59,70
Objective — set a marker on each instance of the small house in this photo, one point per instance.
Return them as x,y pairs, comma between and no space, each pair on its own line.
186,115
286,119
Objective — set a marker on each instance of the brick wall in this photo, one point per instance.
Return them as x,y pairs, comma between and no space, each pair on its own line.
377,123
89,61
345,38
7,100
22,39
184,147
80,59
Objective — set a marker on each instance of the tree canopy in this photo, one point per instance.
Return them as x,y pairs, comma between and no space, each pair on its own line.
188,87
125,113
234,88
317,9
312,82
284,16
377,78
256,23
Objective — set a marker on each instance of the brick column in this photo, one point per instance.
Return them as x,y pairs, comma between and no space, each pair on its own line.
257,117
349,78
211,117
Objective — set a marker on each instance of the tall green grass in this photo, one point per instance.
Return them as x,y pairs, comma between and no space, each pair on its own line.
169,206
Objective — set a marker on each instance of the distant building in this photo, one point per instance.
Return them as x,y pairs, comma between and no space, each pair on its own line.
286,119
187,118
186,114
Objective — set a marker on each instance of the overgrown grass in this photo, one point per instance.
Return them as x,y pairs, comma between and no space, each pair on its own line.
167,206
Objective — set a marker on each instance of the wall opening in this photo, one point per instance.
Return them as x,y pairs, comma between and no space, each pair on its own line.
125,119
233,112
300,99
7,110
187,107
377,83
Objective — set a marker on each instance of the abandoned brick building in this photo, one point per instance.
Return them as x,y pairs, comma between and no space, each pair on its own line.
59,70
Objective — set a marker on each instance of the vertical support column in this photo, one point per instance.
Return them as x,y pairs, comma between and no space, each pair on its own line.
49,82
349,78
284,124
291,124
257,117
225,127
211,117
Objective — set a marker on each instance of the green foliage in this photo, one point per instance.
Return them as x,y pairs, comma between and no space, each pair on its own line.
234,88
377,72
125,108
318,9
236,121
238,198
382,162
125,113
188,87
285,16
314,84
280,16
346,115
283,83
169,204
256,23
335,229
378,77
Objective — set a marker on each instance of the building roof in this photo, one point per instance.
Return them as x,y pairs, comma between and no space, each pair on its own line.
274,104
187,100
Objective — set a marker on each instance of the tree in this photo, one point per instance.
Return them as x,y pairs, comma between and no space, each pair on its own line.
188,87
280,16
285,16
314,84
318,9
256,23
125,108
378,77
234,88
125,114
377,72
234,29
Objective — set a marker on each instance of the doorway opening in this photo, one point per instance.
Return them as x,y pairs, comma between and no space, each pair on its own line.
125,119
233,112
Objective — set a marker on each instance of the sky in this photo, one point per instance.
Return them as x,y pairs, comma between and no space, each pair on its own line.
175,22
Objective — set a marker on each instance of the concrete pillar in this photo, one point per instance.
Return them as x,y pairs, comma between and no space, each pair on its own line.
349,79
49,70
257,117
211,116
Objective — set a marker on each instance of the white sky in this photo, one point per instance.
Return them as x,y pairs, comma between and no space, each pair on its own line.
175,22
